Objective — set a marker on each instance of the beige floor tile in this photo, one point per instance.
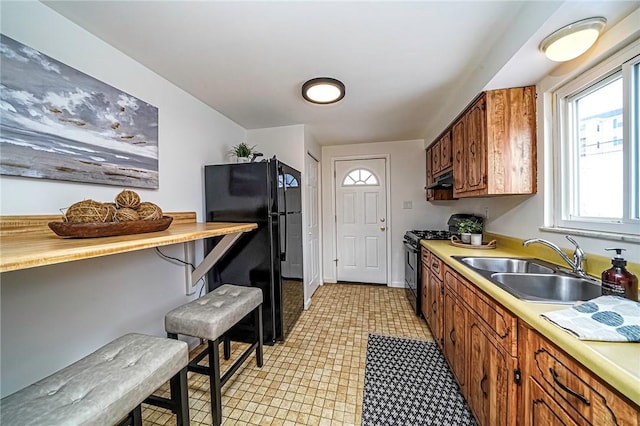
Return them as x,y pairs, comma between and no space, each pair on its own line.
316,377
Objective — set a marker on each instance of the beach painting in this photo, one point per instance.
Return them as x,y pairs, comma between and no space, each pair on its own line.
59,123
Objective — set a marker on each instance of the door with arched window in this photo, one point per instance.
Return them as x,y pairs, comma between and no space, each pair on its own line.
361,220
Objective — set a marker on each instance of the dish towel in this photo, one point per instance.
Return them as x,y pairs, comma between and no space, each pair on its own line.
605,318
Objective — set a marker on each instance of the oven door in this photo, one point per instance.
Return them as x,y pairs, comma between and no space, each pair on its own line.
411,276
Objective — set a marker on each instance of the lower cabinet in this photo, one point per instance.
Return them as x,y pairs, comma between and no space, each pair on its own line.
433,295
491,388
455,333
551,376
509,373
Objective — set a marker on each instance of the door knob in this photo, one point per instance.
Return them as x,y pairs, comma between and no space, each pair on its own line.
382,219
382,228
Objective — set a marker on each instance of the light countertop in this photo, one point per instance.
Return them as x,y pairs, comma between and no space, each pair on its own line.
618,364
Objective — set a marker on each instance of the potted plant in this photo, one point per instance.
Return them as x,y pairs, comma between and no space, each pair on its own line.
470,231
242,152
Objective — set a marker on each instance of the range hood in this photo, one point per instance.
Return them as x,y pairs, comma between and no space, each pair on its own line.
444,181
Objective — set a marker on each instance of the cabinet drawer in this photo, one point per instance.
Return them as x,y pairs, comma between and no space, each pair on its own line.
426,256
542,410
581,394
437,267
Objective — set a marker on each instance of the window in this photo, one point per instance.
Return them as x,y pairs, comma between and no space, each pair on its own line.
596,186
360,177
289,180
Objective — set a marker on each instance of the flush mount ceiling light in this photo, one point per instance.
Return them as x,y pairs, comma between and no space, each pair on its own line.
573,40
323,90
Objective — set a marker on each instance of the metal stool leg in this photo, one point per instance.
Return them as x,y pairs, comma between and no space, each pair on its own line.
180,397
214,382
257,322
227,346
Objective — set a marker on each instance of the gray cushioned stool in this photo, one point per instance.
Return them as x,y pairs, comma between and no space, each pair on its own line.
107,386
210,317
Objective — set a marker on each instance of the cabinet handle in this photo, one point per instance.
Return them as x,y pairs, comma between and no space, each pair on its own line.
562,386
452,336
484,379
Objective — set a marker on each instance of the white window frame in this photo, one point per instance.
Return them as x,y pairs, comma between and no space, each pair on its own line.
564,155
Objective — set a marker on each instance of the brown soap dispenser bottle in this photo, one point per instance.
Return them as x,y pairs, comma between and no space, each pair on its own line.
617,281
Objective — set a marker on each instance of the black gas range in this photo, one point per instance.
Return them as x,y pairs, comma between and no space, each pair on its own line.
412,266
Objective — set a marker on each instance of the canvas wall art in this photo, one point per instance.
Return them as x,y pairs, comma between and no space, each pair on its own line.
59,123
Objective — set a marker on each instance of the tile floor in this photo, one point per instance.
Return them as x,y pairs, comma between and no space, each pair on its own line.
316,377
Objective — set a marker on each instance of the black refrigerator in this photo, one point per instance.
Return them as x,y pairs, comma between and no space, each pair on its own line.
270,257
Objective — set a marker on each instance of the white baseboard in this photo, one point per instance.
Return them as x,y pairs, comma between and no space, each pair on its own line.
397,284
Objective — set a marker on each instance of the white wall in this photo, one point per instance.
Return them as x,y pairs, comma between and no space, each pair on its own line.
51,316
286,143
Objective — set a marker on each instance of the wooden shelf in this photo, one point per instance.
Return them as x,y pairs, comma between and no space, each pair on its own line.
27,242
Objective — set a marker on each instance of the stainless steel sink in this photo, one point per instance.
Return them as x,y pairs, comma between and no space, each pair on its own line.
548,288
507,264
533,280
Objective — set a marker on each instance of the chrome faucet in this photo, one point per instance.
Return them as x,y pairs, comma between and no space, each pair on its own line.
578,254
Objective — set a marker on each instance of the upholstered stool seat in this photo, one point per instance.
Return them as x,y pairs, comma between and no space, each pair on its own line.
105,387
209,318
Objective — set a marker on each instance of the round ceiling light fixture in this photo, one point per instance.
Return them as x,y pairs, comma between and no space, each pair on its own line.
573,40
323,90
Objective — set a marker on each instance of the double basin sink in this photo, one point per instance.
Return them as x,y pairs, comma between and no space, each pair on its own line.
533,280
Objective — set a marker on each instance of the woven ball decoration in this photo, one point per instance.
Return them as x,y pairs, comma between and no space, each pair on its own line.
149,211
126,214
112,211
87,211
128,199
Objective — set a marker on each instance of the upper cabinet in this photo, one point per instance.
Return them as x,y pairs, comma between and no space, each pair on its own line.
439,161
491,146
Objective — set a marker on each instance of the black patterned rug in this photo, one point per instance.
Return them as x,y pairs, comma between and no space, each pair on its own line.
408,382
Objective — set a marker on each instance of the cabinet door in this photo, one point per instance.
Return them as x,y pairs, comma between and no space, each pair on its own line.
490,386
424,303
445,152
476,146
435,159
459,172
429,169
454,337
436,306
541,409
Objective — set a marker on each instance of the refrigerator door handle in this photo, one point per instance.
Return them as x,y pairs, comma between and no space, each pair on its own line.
283,253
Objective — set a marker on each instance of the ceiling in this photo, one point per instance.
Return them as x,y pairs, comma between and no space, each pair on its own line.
409,67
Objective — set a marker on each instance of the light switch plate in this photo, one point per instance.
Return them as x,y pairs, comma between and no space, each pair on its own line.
407,205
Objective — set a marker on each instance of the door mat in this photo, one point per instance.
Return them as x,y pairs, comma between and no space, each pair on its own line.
408,382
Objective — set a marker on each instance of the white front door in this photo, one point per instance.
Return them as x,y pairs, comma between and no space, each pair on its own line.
361,220
312,257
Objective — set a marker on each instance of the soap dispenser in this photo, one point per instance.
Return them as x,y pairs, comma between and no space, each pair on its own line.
617,281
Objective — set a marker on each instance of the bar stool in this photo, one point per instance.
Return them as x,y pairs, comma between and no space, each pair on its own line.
107,386
209,318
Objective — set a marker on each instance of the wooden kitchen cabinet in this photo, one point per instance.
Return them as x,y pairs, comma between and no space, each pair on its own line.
558,389
494,144
433,293
455,331
435,194
481,347
424,285
446,158
491,388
